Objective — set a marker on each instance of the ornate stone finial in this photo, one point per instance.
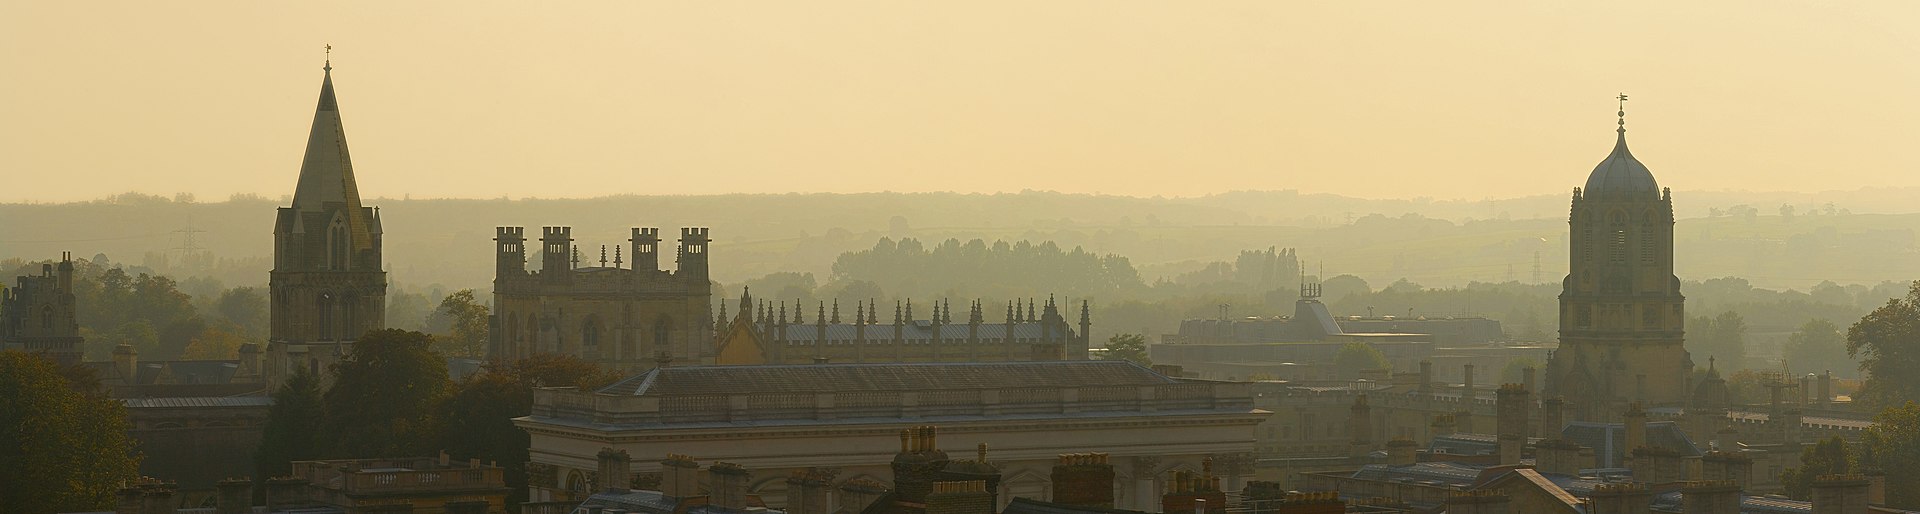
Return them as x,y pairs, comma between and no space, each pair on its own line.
1623,113
329,67
603,256
873,312
616,256
836,310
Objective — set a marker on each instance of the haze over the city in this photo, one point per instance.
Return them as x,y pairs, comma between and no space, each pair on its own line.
491,99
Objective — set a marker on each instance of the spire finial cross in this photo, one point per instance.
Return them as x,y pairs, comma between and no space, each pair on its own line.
329,66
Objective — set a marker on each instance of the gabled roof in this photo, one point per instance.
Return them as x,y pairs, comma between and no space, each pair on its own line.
823,378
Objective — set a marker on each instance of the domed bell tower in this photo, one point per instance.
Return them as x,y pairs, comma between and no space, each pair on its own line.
1621,311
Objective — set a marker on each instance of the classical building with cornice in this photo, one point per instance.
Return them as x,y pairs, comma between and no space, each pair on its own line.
780,419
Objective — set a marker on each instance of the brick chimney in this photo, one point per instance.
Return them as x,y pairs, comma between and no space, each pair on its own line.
679,476
1479,501
1658,466
284,492
1083,479
1511,403
1727,465
1560,456
1710,497
1188,493
730,483
1320,502
616,470
126,363
235,496
157,498
969,497
1553,417
1401,452
1620,498
1840,494
1443,424
809,491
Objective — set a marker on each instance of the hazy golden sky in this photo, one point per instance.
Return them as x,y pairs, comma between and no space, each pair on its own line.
1374,99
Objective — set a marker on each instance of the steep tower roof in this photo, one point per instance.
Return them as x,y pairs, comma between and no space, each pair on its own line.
1620,172
326,173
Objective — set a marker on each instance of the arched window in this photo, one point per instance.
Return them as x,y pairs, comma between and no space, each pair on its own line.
326,317
348,327
533,334
1649,242
1617,240
590,334
337,244
662,332
46,318
512,332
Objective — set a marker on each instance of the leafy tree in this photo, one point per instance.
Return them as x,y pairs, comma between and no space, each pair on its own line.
1819,345
64,449
477,418
246,307
1128,347
1893,444
383,396
292,429
1339,287
1722,337
406,310
1887,343
466,321
1354,358
214,343
1828,457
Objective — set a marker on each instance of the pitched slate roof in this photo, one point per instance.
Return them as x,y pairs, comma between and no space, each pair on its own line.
228,401
822,378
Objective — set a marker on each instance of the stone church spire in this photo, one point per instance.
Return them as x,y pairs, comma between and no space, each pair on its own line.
328,280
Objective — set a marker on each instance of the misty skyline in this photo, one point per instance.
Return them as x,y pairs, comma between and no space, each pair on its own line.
1141,99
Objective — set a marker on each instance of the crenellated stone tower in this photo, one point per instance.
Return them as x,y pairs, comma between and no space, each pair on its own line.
1621,312
327,283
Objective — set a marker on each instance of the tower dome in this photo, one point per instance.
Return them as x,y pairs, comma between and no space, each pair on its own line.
1620,172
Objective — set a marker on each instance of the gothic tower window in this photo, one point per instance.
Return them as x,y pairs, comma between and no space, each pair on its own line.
1617,238
347,307
590,334
533,333
1649,244
337,244
326,317
662,331
46,318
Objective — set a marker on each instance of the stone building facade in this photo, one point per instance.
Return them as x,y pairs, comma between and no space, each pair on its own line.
328,285
762,333
628,318
38,314
1621,312
785,418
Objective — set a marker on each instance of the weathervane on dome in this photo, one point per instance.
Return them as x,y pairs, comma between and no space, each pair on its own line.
1623,112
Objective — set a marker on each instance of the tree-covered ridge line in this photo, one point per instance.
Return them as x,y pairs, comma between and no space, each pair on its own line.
1430,242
